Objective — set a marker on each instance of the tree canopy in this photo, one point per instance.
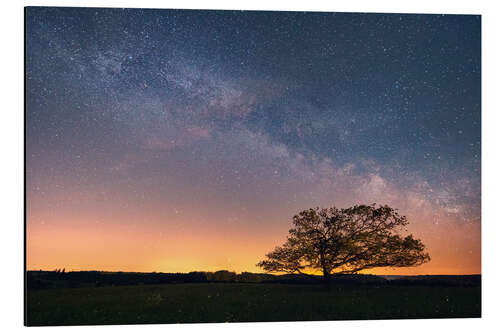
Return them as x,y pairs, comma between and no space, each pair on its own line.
346,241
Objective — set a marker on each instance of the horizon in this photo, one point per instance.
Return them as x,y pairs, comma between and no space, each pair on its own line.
237,273
179,140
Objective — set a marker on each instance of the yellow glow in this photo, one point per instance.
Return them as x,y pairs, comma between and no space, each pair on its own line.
109,247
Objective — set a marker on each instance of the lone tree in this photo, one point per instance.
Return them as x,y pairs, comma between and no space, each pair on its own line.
345,241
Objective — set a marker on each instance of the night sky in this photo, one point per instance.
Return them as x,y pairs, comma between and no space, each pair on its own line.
172,140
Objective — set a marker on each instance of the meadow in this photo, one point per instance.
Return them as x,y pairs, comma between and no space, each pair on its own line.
247,302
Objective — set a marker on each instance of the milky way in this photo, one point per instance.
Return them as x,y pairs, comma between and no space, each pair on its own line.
180,140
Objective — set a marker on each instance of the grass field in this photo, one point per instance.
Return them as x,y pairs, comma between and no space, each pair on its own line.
239,302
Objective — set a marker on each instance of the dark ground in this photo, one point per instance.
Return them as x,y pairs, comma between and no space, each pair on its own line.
248,302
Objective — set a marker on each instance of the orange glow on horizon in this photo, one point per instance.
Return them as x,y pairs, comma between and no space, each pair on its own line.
129,248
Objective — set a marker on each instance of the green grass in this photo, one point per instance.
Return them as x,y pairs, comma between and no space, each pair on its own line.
239,302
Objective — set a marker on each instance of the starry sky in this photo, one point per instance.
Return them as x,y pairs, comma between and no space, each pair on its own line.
181,140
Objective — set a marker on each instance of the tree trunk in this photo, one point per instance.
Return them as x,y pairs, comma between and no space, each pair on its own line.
326,276
326,272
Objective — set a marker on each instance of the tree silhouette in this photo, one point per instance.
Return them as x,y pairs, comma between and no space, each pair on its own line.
345,241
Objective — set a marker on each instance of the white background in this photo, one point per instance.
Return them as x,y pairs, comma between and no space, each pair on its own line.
12,155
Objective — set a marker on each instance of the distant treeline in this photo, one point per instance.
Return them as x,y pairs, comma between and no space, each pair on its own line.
61,279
